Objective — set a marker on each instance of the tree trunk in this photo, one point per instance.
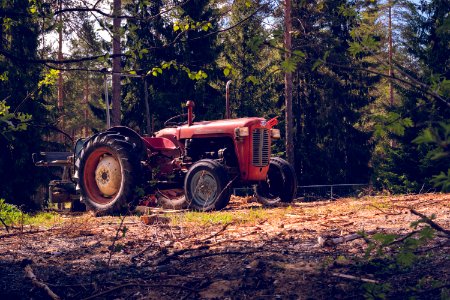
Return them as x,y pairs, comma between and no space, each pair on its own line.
391,72
86,106
59,103
147,108
288,84
116,68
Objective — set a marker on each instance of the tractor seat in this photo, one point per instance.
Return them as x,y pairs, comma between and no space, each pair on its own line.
159,143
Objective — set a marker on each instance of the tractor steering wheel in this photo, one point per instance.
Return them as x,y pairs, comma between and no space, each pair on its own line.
171,123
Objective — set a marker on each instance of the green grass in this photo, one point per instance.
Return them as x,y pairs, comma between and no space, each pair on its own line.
251,216
12,216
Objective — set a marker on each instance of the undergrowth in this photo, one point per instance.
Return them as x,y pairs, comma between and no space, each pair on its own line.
13,216
390,255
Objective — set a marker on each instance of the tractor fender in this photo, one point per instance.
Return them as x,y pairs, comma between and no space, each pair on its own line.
133,138
129,133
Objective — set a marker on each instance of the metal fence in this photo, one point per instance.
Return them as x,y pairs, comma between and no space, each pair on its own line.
330,191
317,192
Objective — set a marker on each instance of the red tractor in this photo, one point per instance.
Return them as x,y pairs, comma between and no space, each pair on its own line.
204,159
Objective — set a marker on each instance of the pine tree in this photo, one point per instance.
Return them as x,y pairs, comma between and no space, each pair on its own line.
170,71
328,95
19,87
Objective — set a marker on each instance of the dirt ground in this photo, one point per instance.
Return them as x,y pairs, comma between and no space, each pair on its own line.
244,252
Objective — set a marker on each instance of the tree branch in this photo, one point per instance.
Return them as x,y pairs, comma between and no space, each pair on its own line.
430,222
58,62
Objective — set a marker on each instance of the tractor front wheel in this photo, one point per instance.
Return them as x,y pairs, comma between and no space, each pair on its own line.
108,173
280,184
206,186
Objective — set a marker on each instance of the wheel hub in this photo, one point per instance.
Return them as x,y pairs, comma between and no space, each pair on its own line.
108,176
206,186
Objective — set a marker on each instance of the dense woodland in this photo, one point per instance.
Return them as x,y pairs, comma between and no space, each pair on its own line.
370,80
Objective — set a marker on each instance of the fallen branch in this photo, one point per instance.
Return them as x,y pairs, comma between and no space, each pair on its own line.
217,233
37,283
385,212
174,255
355,278
113,249
324,242
133,284
428,292
403,238
134,257
221,253
430,222
4,224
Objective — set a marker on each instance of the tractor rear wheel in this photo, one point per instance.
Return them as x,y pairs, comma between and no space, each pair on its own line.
280,184
108,173
206,186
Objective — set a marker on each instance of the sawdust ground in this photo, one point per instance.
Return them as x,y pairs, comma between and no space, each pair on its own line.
275,255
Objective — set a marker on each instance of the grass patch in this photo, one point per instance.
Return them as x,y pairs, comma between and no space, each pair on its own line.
251,216
46,219
12,216
377,203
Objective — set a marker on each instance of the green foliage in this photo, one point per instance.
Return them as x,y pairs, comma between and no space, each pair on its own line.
437,136
376,291
390,254
12,216
186,70
49,79
11,122
439,139
21,134
328,99
443,181
391,124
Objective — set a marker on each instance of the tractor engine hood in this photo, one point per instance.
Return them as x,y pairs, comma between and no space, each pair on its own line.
225,127
218,127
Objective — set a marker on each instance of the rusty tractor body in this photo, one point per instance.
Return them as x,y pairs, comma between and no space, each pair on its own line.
185,165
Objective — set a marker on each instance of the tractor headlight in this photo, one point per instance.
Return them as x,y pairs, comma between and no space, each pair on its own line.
275,134
241,131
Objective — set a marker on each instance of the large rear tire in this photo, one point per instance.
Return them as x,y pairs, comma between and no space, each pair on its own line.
206,186
280,184
108,173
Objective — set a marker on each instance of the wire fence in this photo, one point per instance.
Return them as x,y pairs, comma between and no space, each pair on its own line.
330,191
317,192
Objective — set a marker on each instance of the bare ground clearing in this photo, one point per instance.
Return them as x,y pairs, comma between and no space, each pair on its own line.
242,252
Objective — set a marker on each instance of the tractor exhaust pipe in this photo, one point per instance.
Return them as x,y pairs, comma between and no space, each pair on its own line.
227,100
190,106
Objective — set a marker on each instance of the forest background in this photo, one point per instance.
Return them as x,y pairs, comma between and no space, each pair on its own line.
370,80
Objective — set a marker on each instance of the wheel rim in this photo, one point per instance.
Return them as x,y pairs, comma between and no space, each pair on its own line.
108,176
102,176
204,188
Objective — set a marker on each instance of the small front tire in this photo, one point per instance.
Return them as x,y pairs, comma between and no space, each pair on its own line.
206,186
280,184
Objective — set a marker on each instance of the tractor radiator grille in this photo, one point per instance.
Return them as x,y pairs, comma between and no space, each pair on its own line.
260,140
